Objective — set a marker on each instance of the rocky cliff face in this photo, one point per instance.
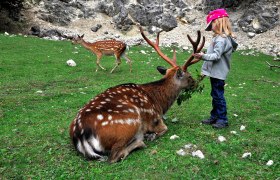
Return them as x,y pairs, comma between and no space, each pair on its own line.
252,19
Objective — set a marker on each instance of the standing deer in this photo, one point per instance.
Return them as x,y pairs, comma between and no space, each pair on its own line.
106,47
116,121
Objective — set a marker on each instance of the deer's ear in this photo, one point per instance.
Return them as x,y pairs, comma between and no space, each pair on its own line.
82,36
161,70
179,73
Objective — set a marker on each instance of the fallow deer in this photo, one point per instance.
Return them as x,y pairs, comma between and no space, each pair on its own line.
117,121
106,47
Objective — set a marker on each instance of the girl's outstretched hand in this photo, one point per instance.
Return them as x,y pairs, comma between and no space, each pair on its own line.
198,55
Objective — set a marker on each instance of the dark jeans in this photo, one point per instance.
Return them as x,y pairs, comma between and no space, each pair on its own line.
219,106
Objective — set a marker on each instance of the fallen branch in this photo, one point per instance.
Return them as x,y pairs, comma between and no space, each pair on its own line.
267,81
272,66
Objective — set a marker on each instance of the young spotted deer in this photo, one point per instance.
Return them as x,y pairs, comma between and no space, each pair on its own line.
106,47
116,121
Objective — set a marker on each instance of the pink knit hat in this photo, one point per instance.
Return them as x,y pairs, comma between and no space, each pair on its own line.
215,14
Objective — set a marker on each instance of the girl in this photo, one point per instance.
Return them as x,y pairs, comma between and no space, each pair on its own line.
217,64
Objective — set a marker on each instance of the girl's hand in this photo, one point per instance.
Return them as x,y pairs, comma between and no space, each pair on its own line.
198,55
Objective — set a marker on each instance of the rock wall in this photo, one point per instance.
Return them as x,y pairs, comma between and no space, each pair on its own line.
251,19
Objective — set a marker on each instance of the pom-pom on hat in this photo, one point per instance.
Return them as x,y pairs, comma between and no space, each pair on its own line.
215,14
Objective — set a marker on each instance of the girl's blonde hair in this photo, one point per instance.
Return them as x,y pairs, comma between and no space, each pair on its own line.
223,27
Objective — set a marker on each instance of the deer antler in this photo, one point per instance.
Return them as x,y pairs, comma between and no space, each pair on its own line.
195,44
172,62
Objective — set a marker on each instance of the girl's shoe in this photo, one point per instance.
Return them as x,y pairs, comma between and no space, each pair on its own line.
220,125
209,121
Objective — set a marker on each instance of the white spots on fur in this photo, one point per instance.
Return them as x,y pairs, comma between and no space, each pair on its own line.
131,110
98,107
103,102
119,92
125,96
150,111
109,110
88,110
110,117
131,99
104,123
82,131
100,117
119,106
107,99
125,111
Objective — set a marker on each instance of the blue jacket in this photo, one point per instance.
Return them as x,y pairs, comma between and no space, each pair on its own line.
217,59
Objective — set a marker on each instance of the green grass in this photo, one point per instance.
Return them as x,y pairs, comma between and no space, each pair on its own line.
34,126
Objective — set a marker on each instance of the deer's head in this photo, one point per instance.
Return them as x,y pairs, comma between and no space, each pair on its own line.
78,39
178,75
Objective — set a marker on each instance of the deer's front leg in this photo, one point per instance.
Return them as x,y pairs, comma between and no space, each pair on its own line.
158,129
99,56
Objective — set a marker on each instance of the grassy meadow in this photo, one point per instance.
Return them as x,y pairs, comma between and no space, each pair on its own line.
40,95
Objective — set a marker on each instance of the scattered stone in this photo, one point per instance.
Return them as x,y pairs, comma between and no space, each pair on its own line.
71,63
174,120
269,163
251,34
181,152
221,138
39,91
143,52
96,28
242,128
246,155
198,153
174,137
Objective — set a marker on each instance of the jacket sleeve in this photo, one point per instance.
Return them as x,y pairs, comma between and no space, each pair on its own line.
218,51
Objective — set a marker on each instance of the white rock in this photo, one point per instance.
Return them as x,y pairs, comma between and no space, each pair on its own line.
174,120
7,34
174,137
221,138
233,132
188,146
251,34
269,163
247,154
198,153
235,115
181,152
143,52
71,62
242,128
39,91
